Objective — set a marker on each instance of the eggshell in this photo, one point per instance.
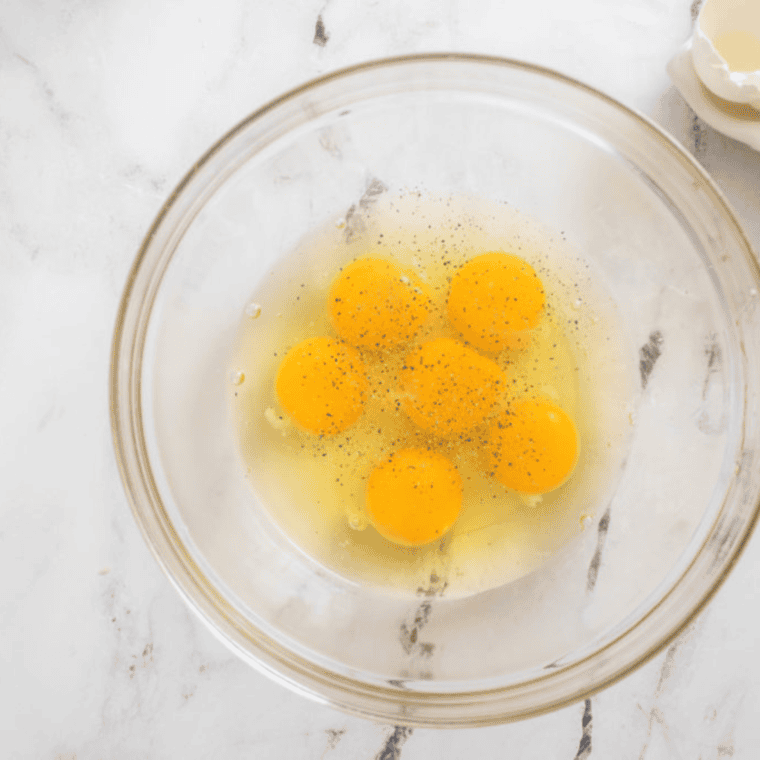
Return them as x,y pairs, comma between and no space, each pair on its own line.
718,17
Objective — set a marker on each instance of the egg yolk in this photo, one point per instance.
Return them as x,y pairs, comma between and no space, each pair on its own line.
492,297
447,388
414,496
322,384
377,304
534,446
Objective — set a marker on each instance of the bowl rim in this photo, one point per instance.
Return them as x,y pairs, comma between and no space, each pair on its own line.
301,675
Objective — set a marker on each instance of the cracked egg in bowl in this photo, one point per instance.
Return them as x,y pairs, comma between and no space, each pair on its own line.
441,350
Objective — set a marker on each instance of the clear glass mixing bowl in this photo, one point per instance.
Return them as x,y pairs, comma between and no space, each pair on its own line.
685,282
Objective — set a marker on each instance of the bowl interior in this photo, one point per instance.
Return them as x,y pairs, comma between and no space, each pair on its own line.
679,496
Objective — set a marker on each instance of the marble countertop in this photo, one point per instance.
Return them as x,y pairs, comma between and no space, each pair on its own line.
103,107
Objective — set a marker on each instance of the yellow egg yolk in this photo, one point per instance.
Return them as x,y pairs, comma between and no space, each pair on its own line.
322,384
447,388
534,446
492,297
377,304
414,496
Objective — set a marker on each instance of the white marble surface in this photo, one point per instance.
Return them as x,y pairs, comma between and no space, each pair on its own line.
103,107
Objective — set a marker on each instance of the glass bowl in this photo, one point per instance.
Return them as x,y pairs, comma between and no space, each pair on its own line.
684,283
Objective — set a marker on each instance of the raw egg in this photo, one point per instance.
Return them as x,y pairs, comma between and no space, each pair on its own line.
322,384
377,304
493,297
414,496
344,498
447,388
534,446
